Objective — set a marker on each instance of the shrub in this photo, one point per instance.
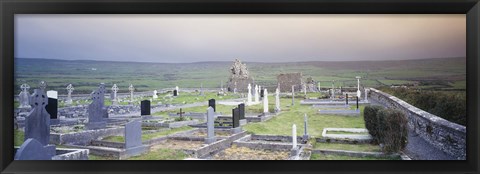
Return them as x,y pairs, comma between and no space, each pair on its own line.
370,118
393,130
182,118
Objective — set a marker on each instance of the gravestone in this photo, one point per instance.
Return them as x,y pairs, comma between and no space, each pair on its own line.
24,96
131,89
305,122
358,86
236,117
52,106
294,136
145,107
70,89
175,93
102,91
333,90
249,94
32,149
357,103
265,101
293,95
211,103
154,96
277,100
178,90
257,97
262,94
210,126
241,110
133,134
319,87
346,99
37,123
113,96
96,111
366,94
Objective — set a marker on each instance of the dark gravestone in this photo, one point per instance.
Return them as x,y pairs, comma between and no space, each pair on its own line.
211,103
52,108
346,98
236,117
175,92
241,110
133,134
261,92
37,123
357,102
32,149
145,107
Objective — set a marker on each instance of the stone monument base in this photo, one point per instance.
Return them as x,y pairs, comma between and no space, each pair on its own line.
236,130
134,151
210,140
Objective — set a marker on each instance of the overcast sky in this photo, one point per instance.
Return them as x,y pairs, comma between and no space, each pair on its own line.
252,38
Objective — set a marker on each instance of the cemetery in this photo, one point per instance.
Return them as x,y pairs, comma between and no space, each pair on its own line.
296,119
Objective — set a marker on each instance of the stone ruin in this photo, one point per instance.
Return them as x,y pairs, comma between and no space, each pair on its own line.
286,81
239,77
311,85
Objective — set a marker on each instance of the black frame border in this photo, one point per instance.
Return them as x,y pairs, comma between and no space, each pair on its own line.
10,7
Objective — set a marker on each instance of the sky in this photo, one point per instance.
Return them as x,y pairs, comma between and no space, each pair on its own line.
184,38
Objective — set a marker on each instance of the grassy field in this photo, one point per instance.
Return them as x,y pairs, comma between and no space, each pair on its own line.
86,75
344,157
150,136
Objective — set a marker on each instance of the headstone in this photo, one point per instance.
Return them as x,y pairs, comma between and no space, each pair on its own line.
357,103
241,110
294,136
32,149
131,89
236,117
257,97
70,89
211,103
265,101
37,123
346,99
178,91
175,92
277,100
96,112
262,93
366,94
305,90
42,85
102,91
52,106
293,95
133,134
249,94
145,107
24,96
305,122
113,96
155,96
210,126
319,87
333,90
358,87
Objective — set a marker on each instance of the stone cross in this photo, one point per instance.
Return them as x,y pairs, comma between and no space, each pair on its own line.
249,94
155,96
305,122
131,89
69,96
210,126
277,100
114,94
358,86
24,96
293,95
294,136
37,123
257,95
265,101
42,85
180,113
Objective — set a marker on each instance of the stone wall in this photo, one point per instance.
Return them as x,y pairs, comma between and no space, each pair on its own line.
442,134
286,81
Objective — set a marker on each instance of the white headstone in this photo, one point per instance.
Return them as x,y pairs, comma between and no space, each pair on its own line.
294,136
333,89
249,94
257,98
178,91
69,96
52,94
265,101
358,87
305,122
210,126
277,100
293,95
319,87
114,94
366,94
131,89
24,96
155,96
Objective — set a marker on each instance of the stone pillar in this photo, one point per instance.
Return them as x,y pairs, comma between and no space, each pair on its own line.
249,95
210,126
346,99
358,87
305,122
293,95
257,99
277,100
294,136
265,101
333,90
357,103
366,95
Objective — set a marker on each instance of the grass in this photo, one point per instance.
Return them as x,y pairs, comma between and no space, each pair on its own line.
282,124
146,137
18,137
161,154
350,147
344,157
